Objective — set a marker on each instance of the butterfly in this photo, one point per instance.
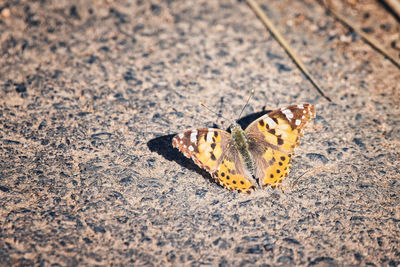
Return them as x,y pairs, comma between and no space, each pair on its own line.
256,157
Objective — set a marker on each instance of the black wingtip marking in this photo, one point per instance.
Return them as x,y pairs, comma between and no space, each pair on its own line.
213,156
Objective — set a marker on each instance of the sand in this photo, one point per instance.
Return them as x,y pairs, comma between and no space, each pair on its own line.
93,91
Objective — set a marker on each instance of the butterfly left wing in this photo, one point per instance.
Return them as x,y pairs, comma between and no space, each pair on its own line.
214,151
272,139
204,146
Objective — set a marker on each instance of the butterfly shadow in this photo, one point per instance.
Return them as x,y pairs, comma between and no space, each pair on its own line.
245,121
163,146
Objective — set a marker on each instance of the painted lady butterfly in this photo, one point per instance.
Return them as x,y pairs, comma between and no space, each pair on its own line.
256,157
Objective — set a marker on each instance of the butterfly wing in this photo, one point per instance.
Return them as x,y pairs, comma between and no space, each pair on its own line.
214,151
272,139
232,175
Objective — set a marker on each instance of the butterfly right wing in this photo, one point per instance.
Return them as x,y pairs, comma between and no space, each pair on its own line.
273,138
214,151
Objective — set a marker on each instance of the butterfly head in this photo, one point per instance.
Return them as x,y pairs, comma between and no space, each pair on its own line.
238,135
235,127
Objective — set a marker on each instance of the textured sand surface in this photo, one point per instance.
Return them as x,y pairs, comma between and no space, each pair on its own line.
93,91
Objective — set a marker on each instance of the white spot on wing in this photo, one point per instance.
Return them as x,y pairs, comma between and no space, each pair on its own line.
288,113
190,148
270,122
181,135
300,106
193,137
298,122
303,117
210,135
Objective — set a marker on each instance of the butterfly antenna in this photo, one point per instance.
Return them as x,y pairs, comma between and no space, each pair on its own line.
212,111
251,94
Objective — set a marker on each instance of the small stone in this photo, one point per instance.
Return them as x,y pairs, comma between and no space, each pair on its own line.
156,9
317,157
359,142
4,189
5,13
20,88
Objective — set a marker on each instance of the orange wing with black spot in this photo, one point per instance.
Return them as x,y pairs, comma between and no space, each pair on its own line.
213,150
272,139
232,175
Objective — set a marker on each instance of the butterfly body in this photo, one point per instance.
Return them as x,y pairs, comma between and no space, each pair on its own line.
258,156
241,144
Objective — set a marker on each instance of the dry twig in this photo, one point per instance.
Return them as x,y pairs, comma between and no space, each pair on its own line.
394,5
266,21
374,43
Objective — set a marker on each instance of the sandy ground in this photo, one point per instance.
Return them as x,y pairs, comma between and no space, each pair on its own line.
93,91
